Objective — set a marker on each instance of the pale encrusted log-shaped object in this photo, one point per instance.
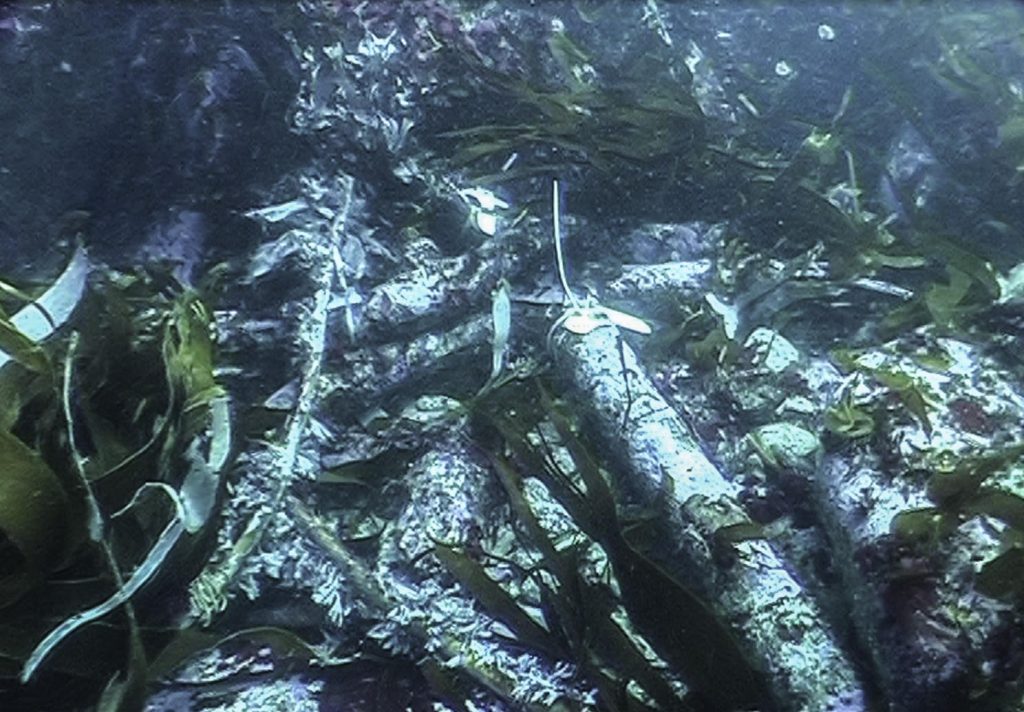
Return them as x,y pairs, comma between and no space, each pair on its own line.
923,661
662,468
918,601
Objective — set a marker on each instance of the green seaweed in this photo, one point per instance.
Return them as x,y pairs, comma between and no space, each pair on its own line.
849,420
913,394
1002,577
956,486
924,525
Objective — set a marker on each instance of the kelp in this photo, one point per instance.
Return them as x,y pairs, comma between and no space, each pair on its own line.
495,599
960,286
21,334
35,520
133,409
39,522
672,619
579,613
799,204
603,128
21,348
615,124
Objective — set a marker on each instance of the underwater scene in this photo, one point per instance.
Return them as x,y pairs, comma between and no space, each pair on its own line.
501,356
